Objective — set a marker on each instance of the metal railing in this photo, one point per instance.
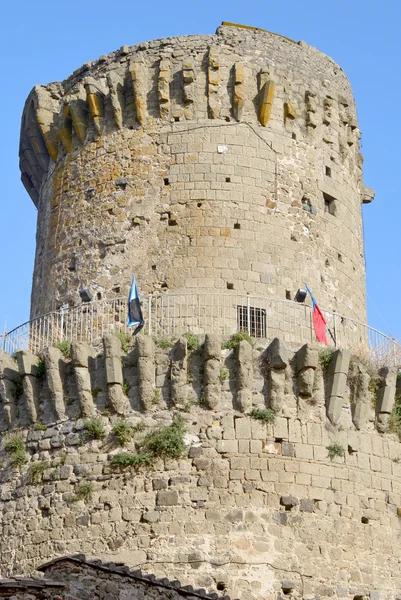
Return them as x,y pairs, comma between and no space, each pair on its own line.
168,315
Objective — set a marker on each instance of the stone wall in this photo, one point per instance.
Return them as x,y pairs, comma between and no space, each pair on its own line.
228,161
249,505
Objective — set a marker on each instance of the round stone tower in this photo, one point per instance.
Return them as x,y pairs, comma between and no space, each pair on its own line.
213,162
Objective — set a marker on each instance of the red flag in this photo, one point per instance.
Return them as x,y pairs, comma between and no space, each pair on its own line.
319,322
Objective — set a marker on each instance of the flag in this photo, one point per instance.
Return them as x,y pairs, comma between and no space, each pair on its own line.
319,322
135,316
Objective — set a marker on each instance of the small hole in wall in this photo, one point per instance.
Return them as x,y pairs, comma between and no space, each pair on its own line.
278,440
176,119
327,263
116,289
99,296
45,512
294,136
164,285
230,286
286,591
153,267
365,520
228,179
237,225
80,242
110,211
359,597
228,119
220,585
340,257
199,204
166,181
328,171
287,295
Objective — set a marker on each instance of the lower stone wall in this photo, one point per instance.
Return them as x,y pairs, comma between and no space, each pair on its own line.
248,506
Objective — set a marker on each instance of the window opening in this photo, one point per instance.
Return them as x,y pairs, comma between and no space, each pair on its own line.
257,320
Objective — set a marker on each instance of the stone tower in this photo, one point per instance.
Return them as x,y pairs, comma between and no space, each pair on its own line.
213,162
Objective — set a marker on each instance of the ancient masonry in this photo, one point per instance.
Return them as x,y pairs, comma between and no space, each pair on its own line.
226,161
262,472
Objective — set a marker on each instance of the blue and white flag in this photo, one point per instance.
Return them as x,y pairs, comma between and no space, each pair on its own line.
135,316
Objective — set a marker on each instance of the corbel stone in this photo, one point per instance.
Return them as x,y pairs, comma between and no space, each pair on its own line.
53,360
79,115
359,384
139,80
266,96
46,111
213,83
114,85
146,370
188,77
27,365
289,111
80,353
311,106
95,99
307,362
239,91
8,372
336,383
211,379
368,195
274,362
179,375
114,372
244,375
164,89
385,397
65,128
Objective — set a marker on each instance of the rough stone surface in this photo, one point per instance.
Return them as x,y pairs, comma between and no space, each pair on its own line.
286,116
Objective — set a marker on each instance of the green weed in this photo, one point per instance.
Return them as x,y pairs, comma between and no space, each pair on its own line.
95,392
35,472
41,370
15,447
325,357
334,450
167,441
82,492
123,432
65,348
125,340
40,426
223,376
236,338
126,460
95,428
193,343
267,415
18,387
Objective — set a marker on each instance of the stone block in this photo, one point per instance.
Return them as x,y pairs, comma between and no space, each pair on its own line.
167,498
307,357
280,428
27,363
227,446
287,449
306,505
276,355
243,428
339,362
212,347
386,391
289,501
80,352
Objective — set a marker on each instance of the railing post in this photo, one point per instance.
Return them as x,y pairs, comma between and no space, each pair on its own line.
249,313
150,314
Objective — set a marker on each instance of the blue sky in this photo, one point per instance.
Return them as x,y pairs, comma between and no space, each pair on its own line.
46,41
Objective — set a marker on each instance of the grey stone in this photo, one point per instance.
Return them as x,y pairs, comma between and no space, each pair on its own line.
167,498
276,355
306,505
289,501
